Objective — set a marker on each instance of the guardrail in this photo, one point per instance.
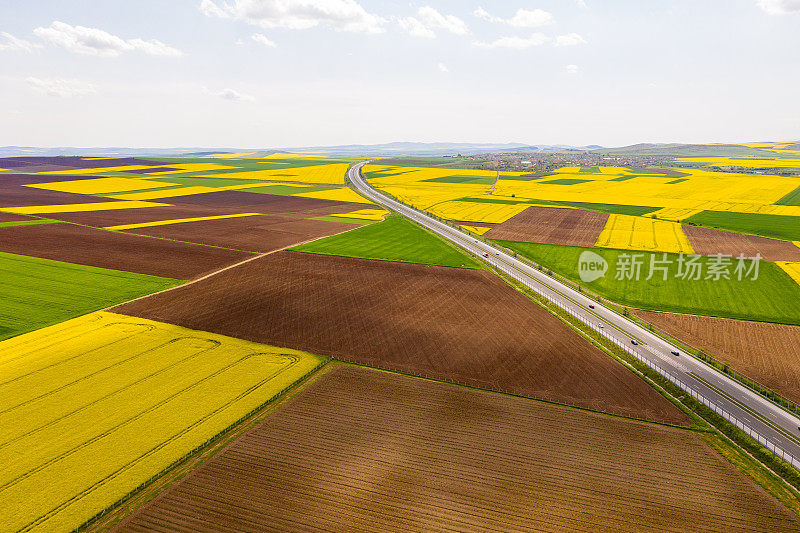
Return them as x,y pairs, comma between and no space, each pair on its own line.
725,414
763,390
719,410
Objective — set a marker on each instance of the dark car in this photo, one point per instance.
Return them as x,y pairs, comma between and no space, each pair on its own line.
634,343
676,354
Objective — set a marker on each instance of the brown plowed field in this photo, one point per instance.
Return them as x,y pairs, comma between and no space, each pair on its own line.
552,225
706,241
263,233
12,217
246,202
767,353
366,450
455,324
109,249
116,217
13,195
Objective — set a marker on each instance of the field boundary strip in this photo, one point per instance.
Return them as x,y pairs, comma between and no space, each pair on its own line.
177,221
223,269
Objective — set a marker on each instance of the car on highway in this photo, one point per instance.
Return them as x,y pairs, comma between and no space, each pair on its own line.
591,306
485,255
634,342
676,354
600,325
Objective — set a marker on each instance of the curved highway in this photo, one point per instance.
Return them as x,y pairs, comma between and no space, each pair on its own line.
772,426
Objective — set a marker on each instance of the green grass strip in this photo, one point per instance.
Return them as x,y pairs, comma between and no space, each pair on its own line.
394,239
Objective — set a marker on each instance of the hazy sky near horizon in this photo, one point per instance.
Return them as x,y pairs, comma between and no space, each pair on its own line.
270,73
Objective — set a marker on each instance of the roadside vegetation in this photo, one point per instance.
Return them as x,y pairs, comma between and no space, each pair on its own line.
773,297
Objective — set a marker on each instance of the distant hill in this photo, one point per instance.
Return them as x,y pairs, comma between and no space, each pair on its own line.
429,149
352,150
686,150
35,151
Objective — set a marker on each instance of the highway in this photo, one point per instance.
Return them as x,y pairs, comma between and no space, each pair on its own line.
773,426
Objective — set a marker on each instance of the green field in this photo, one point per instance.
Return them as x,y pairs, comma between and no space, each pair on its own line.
472,180
30,222
40,292
565,181
634,210
776,226
394,239
793,198
773,297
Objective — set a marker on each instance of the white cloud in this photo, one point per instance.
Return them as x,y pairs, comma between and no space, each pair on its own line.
232,95
262,39
94,41
515,43
61,88
340,15
443,68
433,19
239,42
572,69
523,18
429,19
16,44
779,7
210,9
416,28
570,39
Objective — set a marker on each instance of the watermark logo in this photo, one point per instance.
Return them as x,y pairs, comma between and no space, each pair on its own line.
684,267
591,266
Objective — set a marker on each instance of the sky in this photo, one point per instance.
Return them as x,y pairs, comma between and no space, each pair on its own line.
283,73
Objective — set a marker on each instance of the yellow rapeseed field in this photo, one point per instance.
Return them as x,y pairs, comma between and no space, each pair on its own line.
167,193
340,194
791,268
75,208
477,212
123,168
92,407
742,162
176,221
332,174
638,233
480,230
101,185
692,191
365,214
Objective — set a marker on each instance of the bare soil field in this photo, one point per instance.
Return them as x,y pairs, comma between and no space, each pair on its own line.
116,217
454,324
552,225
707,241
23,163
260,233
767,353
109,249
366,450
12,217
15,195
262,203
